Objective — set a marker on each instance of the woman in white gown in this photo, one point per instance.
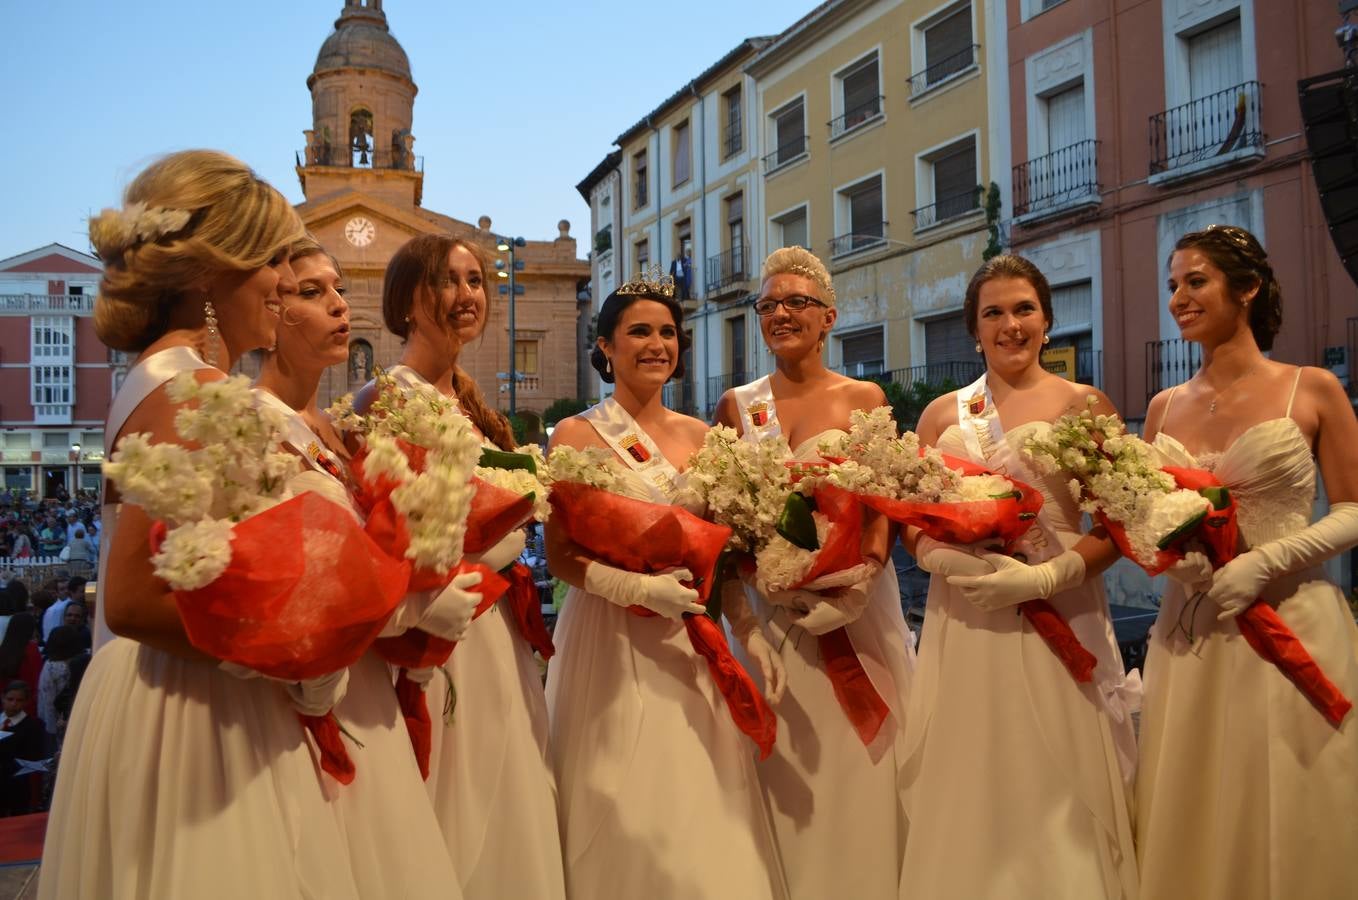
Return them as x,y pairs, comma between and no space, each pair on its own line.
1017,779
393,837
1245,790
490,779
831,784
179,779
658,791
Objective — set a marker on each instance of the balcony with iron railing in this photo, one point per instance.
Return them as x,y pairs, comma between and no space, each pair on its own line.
720,384
865,236
950,375
786,154
949,208
603,239
727,271
678,396
946,69
342,157
1216,130
1169,363
1061,181
30,304
860,115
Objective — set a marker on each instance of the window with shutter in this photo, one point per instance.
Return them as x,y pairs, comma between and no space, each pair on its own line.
861,90
946,340
734,138
792,228
865,208
683,154
639,185
735,342
790,133
1214,60
862,353
1072,305
1066,118
955,180
947,46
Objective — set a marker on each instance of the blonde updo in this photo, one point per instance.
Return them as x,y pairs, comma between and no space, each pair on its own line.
190,215
800,261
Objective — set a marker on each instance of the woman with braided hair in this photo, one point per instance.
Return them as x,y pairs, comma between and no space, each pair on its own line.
1244,789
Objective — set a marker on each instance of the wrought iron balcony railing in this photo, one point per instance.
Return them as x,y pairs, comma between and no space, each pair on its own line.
734,141
860,115
720,384
1089,367
678,396
1220,126
1169,363
866,235
727,270
786,153
945,209
952,374
942,70
1060,179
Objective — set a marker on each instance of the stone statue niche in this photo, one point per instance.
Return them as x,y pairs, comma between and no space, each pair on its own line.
360,362
361,138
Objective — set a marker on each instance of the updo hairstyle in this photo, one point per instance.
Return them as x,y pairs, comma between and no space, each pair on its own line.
800,261
1241,258
612,310
1006,265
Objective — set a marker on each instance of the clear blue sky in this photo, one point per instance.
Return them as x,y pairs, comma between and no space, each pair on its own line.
517,101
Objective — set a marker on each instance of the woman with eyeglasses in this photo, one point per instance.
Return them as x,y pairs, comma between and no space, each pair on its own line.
831,787
1244,790
1017,778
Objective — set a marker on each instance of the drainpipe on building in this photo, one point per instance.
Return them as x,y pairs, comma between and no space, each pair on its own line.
702,226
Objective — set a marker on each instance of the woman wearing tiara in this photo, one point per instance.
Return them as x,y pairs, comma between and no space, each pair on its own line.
831,782
395,846
658,791
489,776
179,778
1245,790
1017,778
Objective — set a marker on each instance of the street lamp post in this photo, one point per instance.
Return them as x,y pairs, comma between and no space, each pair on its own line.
513,289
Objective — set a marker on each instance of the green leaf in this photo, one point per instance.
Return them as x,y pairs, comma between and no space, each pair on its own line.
795,523
1220,496
1182,531
504,459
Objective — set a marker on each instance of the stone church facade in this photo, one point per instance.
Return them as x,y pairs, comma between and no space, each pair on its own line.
363,184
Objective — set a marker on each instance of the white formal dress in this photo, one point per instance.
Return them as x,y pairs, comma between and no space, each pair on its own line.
1012,784
394,842
490,777
1245,791
177,779
659,796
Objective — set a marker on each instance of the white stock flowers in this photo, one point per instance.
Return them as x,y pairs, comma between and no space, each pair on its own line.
233,469
523,481
596,467
744,484
434,498
1118,474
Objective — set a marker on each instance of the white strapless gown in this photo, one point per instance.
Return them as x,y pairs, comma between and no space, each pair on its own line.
1012,785
1245,791
659,796
835,803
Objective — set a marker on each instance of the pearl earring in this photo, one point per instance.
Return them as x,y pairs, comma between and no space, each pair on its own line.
1046,339
213,335
978,346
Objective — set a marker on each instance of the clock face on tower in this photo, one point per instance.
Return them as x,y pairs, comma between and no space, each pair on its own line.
359,231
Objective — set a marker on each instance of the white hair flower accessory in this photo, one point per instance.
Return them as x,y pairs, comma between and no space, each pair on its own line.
115,230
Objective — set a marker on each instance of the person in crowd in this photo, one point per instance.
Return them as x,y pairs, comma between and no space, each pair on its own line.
76,618
54,613
385,812
26,740
1245,790
51,537
499,822
77,550
63,646
644,746
194,263
1017,778
20,658
831,784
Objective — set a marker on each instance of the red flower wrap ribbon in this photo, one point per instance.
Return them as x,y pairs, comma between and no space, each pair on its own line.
1260,625
645,537
335,759
525,605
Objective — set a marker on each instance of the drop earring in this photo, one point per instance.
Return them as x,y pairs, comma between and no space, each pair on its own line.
978,346
608,365
213,335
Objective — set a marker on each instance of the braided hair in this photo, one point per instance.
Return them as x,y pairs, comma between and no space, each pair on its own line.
1241,258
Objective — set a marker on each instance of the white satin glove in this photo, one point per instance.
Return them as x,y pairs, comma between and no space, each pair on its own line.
661,593
1014,582
1194,572
842,607
1236,585
313,697
745,628
505,552
452,608
939,558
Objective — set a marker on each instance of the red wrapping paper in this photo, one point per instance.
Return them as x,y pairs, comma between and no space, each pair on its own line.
1260,624
305,594
651,537
325,731
525,605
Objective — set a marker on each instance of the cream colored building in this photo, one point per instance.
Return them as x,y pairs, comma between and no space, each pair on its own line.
878,137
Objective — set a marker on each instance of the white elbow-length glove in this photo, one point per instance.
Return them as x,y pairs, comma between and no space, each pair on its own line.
939,558
1236,585
1014,582
842,605
746,629
444,613
661,593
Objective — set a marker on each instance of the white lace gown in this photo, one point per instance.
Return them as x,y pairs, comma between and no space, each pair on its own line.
179,780
1011,783
658,790
835,803
1245,791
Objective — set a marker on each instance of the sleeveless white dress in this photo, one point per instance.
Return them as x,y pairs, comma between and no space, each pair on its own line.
835,803
1245,791
1012,783
177,779
395,846
490,778
659,796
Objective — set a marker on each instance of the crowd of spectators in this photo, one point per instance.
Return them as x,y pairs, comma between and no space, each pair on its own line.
65,528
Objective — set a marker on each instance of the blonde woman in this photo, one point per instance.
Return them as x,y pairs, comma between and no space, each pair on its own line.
179,779
831,781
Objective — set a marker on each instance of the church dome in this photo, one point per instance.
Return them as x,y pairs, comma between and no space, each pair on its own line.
362,39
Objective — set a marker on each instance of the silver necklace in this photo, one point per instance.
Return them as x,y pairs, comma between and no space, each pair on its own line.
1212,407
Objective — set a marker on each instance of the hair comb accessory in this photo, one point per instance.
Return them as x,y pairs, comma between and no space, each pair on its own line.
649,281
813,276
137,223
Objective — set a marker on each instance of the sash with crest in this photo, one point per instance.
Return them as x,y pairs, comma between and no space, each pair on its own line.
636,448
758,416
